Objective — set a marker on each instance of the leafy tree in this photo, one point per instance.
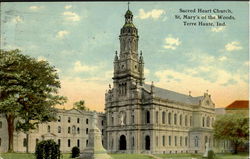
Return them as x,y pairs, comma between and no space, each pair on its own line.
232,127
28,92
47,149
80,105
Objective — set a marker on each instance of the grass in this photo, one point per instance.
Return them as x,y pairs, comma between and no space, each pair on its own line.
134,156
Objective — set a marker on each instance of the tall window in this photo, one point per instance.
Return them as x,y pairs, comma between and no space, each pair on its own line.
78,130
87,131
69,119
48,129
186,120
1,124
78,143
175,140
196,142
68,130
169,140
87,142
191,121
175,119
59,129
133,119
181,141
156,117
181,120
112,121
186,141
68,142
0,142
156,140
208,121
78,120
59,142
133,141
163,140
87,121
147,117
163,117
24,142
59,119
169,118
203,121
102,122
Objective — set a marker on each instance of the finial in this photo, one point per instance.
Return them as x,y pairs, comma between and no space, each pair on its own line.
128,5
141,53
116,52
109,86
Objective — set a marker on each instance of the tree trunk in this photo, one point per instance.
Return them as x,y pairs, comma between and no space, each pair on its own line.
10,121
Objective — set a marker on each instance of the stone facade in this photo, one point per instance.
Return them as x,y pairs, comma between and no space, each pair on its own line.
71,129
142,118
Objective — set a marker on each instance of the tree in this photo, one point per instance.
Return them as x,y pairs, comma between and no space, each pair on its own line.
28,92
232,127
80,105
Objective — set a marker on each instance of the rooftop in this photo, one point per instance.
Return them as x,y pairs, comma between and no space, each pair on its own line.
239,104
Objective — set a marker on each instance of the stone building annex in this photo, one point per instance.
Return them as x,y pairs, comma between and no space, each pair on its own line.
139,118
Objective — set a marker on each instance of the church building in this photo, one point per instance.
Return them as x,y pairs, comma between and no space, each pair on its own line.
143,118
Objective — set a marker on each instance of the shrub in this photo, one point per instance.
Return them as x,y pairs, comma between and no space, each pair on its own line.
75,152
210,154
47,149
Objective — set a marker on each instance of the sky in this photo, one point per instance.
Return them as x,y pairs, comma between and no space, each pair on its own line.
80,40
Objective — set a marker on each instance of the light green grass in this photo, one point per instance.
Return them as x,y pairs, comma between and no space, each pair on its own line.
134,156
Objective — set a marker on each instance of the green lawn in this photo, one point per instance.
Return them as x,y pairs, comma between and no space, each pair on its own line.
134,156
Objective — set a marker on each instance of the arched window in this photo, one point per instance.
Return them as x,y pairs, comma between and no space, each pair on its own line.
180,120
69,119
191,121
78,130
203,121
59,119
73,129
59,129
181,141
133,118
169,118
68,142
48,129
87,121
24,142
163,140
133,141
102,122
102,131
175,119
147,117
0,141
186,120
78,120
68,130
37,140
112,120
78,143
196,141
156,117
163,117
208,121
87,131
87,142
169,140
186,141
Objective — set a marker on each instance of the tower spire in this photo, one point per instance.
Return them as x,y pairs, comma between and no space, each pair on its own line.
128,5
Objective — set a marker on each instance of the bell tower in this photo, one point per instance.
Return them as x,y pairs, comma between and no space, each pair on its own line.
128,65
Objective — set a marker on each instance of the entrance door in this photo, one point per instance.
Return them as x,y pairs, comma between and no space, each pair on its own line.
123,143
147,143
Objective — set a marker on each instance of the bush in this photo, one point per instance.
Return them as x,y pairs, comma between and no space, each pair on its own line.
47,149
210,154
75,152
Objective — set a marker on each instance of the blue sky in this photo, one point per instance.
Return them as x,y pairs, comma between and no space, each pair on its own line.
80,39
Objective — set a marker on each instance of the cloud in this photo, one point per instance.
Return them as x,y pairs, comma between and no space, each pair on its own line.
35,8
146,72
222,58
17,19
217,29
61,34
154,14
171,43
79,67
183,82
233,46
71,16
68,6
